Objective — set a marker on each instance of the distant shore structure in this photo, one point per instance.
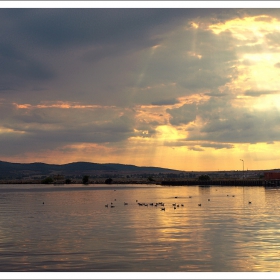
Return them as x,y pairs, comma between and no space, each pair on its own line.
272,175
58,179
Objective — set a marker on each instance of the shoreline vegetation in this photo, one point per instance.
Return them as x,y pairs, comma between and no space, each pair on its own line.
174,182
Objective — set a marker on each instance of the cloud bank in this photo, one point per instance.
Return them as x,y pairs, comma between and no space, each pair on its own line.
109,82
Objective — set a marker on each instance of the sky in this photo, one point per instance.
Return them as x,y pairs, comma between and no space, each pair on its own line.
191,89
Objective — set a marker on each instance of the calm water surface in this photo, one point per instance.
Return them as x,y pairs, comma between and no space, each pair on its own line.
74,231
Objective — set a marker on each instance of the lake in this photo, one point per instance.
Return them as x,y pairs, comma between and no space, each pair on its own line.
46,228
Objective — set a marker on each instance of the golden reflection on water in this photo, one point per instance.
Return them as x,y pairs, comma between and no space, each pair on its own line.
74,231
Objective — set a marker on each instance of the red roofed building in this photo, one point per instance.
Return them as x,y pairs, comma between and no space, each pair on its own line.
271,175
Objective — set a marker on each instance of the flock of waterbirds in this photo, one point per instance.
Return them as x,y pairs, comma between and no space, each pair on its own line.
161,205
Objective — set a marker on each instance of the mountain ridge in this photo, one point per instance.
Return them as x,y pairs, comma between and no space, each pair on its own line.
12,170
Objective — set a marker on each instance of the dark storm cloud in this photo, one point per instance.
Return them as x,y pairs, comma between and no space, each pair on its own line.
273,39
171,101
216,94
146,129
17,68
98,53
68,27
197,149
260,92
237,125
49,128
255,48
64,51
199,145
217,146
210,80
224,124
183,114
194,59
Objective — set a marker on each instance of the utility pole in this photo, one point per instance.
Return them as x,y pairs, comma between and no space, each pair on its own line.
243,168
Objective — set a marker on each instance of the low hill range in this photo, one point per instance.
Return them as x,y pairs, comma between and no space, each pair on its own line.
16,170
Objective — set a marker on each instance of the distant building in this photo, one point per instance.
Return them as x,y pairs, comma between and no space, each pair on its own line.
58,179
271,175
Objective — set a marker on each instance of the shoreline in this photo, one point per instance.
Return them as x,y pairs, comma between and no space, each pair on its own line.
208,183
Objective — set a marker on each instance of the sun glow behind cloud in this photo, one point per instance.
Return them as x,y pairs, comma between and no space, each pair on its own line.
257,58
257,75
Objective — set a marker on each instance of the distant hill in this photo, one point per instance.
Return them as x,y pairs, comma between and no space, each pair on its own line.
17,170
